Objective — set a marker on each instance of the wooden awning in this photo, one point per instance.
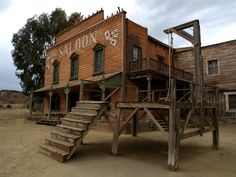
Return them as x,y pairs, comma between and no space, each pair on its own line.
77,82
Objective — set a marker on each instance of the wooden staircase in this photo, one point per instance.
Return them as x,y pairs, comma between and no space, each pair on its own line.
161,118
66,139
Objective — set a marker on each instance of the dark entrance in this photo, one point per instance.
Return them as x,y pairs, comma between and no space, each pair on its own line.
73,98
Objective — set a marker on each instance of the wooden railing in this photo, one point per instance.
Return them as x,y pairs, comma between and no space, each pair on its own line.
149,64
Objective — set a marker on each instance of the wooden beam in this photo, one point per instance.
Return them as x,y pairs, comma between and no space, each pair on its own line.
112,93
183,34
196,132
186,122
182,26
143,105
127,120
155,121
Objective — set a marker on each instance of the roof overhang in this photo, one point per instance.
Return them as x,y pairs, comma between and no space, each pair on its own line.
77,82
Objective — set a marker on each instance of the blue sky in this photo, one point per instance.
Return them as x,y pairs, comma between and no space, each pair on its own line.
217,19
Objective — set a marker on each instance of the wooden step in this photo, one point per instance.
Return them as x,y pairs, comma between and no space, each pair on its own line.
84,111
63,145
91,104
71,128
76,122
54,152
85,114
79,116
68,137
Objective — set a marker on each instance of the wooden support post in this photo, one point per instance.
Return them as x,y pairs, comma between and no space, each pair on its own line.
134,125
174,139
149,80
50,103
174,131
192,96
31,104
67,91
103,90
215,133
81,90
116,133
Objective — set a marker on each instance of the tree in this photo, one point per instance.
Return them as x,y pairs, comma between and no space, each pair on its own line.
30,44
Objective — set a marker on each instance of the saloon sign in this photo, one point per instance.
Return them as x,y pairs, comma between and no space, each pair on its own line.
87,40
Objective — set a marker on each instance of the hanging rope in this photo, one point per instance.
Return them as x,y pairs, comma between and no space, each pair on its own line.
170,44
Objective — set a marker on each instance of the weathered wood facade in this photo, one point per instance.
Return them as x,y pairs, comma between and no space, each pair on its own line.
223,76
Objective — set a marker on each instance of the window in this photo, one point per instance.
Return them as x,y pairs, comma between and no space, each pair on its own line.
230,101
55,72
213,67
136,53
161,63
74,67
98,59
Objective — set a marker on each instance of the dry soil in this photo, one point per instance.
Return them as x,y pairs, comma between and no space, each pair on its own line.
142,156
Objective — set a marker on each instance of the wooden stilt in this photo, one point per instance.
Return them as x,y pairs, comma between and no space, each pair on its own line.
215,133
174,130
174,140
116,133
134,125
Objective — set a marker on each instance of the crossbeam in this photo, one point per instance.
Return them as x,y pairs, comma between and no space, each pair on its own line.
142,105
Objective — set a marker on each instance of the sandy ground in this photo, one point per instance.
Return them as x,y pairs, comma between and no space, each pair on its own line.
142,156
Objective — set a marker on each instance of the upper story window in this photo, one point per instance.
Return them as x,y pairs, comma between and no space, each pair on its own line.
74,67
98,59
213,67
137,55
55,72
161,62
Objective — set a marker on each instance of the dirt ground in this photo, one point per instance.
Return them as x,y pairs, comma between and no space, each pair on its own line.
142,156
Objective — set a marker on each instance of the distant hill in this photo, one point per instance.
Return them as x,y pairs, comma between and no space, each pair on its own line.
12,97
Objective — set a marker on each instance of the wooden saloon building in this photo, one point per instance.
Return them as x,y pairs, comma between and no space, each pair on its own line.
111,69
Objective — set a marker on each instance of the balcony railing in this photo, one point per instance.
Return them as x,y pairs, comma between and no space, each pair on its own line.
149,64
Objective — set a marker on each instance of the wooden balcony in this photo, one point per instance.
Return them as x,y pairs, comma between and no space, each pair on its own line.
151,66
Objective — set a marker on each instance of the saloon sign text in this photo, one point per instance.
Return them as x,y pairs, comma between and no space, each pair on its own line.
85,41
